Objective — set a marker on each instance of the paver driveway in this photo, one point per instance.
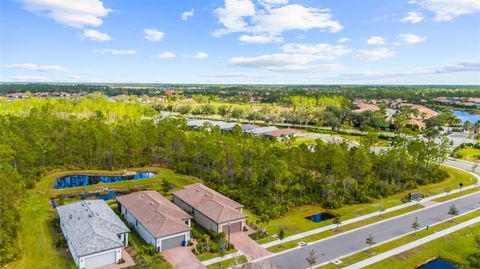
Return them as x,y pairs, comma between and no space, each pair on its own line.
128,262
248,246
182,258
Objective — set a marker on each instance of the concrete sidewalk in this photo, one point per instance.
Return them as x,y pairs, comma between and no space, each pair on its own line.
413,244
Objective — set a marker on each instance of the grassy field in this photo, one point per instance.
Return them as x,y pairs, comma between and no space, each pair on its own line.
36,236
466,248
296,222
468,153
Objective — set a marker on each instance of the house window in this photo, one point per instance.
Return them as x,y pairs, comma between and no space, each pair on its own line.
136,223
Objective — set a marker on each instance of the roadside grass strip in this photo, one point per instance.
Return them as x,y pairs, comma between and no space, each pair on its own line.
228,263
393,243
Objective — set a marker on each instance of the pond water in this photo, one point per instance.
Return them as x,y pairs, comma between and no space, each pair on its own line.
85,180
107,195
466,116
438,264
320,217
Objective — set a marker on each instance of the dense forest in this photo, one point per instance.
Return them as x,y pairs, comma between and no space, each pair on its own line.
269,177
242,93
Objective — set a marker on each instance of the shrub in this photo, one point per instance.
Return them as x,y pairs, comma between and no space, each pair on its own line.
122,260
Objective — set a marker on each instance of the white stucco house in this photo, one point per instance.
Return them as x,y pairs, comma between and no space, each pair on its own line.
210,209
157,220
94,234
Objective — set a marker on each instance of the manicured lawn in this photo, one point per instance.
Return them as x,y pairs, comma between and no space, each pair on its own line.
468,153
295,222
36,236
407,239
228,263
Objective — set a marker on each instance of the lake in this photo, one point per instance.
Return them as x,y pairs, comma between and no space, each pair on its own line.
465,116
438,264
70,181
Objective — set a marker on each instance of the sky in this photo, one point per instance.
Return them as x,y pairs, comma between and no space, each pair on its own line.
241,41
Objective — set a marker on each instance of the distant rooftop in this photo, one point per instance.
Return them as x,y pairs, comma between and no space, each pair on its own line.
91,227
156,213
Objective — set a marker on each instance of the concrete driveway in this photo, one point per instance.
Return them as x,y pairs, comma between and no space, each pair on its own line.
248,246
182,258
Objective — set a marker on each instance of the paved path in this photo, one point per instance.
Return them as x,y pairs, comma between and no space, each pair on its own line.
411,245
353,241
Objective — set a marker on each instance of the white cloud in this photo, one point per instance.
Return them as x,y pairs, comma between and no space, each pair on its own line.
343,40
187,14
413,17
411,39
232,15
96,35
166,55
275,2
376,40
375,54
37,68
28,78
295,17
243,16
200,55
297,57
72,13
153,35
469,66
446,10
321,51
116,51
261,39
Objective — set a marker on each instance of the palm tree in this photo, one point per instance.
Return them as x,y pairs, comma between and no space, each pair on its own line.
312,258
453,211
370,242
415,226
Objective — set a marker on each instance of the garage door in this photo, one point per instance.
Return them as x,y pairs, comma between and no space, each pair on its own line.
172,242
100,260
234,227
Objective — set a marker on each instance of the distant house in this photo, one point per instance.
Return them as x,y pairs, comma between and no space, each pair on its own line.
95,235
157,220
261,130
17,95
281,134
210,209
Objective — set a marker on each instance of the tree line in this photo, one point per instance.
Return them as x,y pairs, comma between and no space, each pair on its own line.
269,177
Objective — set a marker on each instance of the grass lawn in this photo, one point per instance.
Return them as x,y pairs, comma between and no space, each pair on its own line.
295,222
36,236
228,263
466,248
468,153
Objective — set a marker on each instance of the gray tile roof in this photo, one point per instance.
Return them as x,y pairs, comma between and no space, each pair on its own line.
91,226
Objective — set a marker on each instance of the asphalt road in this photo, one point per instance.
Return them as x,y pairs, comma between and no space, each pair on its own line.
332,248
464,165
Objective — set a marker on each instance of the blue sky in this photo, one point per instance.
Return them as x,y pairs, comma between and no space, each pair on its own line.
241,41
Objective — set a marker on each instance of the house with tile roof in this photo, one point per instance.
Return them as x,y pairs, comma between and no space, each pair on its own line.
157,220
94,234
210,209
